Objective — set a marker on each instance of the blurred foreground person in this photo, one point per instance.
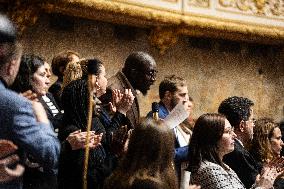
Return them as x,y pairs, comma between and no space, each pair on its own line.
148,162
23,122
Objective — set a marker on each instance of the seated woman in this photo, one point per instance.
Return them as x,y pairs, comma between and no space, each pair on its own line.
267,144
75,100
213,137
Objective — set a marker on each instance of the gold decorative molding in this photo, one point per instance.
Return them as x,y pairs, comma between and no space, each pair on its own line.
199,3
168,25
24,14
266,8
163,38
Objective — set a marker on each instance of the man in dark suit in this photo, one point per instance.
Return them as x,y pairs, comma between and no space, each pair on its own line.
239,112
138,74
22,122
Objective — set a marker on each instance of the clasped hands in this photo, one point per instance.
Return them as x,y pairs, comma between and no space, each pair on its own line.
78,140
6,173
270,172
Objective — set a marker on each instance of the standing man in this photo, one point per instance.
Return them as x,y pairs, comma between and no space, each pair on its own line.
239,112
22,122
139,73
173,90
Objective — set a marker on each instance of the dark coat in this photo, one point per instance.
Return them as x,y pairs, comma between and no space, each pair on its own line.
241,161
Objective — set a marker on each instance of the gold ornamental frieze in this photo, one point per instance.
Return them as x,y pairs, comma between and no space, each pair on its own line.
259,21
266,8
167,5
199,3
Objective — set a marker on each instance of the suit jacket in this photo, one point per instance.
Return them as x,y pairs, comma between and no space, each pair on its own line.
119,81
213,176
19,125
243,164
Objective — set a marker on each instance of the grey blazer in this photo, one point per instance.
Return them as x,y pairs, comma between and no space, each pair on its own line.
213,176
19,125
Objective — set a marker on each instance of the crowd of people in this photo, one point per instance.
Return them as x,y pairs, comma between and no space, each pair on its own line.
85,131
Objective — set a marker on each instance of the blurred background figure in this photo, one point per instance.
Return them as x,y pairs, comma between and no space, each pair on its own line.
22,121
267,144
58,66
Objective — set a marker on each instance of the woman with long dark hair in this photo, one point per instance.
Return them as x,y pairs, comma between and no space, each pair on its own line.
213,137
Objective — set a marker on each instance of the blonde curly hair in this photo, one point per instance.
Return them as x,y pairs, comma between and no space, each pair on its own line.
74,71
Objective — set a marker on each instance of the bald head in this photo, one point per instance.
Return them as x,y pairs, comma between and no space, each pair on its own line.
140,69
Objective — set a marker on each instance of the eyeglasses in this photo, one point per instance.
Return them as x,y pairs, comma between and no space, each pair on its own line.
229,130
252,120
152,73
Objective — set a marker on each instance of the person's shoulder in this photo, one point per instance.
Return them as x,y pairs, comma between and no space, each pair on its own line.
115,80
207,167
11,99
146,183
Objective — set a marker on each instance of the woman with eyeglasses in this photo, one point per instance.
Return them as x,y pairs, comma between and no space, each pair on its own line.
212,138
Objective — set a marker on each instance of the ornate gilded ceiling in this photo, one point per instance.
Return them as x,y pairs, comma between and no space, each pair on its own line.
246,20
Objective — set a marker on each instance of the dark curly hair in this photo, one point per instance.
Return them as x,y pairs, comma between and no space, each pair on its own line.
28,66
236,109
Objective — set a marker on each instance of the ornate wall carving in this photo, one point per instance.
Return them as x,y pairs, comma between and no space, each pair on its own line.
269,8
259,21
199,3
169,5
23,13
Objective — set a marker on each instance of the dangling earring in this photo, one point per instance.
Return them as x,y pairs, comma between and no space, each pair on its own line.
98,87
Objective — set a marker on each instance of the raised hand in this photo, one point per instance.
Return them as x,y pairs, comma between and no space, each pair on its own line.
126,102
270,172
116,97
